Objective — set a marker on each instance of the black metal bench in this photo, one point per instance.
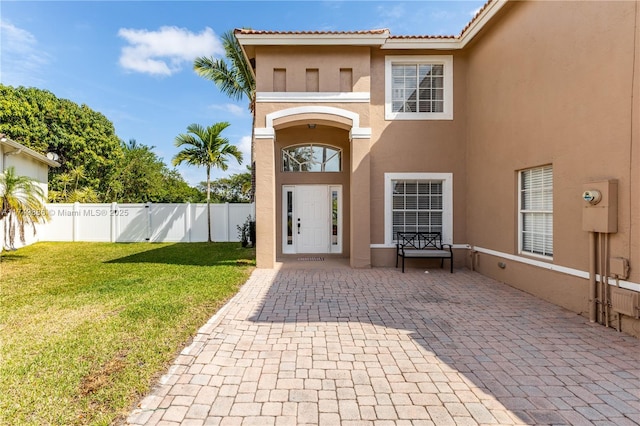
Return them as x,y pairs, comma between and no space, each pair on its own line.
423,245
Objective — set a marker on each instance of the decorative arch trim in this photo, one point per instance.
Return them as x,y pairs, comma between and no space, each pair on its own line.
268,132
313,109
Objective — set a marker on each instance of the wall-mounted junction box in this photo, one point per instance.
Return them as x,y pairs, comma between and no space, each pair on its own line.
600,209
619,267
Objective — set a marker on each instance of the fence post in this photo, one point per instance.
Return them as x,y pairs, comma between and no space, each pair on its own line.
74,221
147,207
114,222
227,221
187,222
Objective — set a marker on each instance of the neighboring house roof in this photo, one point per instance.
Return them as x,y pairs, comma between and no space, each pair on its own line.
18,148
376,37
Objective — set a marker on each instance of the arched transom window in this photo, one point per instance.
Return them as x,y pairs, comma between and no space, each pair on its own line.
311,158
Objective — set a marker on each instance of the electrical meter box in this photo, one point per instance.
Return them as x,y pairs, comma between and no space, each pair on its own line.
600,209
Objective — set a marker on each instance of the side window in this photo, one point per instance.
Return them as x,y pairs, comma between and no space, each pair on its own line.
536,211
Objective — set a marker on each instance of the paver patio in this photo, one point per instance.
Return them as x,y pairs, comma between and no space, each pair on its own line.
320,343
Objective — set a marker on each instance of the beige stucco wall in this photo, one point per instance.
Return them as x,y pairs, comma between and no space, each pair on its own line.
551,83
328,60
334,122
542,83
404,146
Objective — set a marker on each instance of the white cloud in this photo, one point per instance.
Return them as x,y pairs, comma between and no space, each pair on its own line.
442,15
22,61
391,17
165,51
396,12
244,145
475,11
232,108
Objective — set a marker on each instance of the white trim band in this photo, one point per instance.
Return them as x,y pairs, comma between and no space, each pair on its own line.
552,267
361,133
264,133
313,109
307,97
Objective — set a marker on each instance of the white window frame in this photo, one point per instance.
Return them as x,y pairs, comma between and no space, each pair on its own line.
522,212
446,60
447,202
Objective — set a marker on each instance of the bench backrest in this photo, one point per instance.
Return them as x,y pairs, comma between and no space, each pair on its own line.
420,240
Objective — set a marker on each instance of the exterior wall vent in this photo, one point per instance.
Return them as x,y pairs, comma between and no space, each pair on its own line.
625,302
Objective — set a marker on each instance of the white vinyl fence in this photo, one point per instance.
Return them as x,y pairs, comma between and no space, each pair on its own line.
143,222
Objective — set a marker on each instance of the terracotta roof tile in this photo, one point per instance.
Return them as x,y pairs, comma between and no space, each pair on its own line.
478,13
369,32
264,32
422,37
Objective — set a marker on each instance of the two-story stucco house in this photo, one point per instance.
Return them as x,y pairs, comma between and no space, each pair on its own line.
491,137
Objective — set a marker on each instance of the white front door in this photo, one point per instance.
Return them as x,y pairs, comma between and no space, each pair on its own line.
311,219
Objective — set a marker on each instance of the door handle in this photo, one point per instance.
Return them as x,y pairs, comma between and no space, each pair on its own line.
298,226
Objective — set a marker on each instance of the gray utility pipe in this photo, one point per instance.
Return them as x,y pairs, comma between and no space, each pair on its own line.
593,291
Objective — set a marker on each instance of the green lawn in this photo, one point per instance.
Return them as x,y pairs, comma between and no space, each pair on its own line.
86,328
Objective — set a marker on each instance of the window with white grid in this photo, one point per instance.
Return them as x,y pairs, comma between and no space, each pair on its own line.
536,211
417,206
419,87
418,202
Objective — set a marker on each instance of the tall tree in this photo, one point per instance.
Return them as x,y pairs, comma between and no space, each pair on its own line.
232,189
21,203
81,136
206,147
141,176
234,77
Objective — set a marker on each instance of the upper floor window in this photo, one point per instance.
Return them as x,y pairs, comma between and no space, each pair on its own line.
536,211
419,87
311,158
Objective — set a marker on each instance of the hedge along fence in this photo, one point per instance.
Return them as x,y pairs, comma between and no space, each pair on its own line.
143,222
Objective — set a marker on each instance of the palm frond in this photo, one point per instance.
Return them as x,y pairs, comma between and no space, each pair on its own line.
235,78
21,202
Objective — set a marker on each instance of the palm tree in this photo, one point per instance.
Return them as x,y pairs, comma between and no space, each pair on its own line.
205,147
234,78
21,203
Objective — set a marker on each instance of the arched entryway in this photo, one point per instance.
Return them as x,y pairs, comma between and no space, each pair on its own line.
308,159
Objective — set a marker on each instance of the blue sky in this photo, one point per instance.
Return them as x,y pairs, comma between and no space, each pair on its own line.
132,61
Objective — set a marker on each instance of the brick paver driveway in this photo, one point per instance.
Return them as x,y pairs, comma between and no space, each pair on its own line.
319,343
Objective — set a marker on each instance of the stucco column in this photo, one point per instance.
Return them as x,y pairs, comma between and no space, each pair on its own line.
265,203
360,203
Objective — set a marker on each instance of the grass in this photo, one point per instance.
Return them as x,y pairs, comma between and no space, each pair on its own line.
86,328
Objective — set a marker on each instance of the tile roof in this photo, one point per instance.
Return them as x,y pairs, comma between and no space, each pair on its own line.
422,37
476,16
265,32
446,37
369,32
381,31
